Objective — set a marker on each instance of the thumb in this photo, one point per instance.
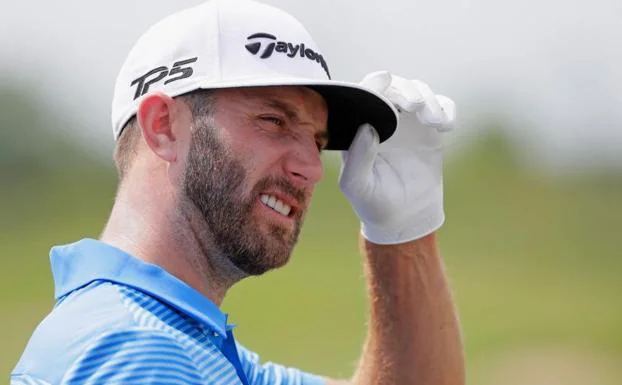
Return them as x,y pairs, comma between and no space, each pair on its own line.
377,81
358,161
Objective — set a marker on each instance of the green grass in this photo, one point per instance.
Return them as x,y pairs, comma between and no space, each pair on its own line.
534,261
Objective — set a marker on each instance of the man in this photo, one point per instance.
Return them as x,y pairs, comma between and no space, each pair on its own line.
220,113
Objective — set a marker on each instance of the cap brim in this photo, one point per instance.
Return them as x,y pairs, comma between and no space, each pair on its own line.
349,106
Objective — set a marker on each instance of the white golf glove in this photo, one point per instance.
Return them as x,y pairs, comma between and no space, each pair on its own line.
396,187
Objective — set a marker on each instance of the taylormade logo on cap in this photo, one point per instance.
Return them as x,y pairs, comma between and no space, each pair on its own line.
254,46
241,43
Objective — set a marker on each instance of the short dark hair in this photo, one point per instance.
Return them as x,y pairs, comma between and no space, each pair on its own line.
201,104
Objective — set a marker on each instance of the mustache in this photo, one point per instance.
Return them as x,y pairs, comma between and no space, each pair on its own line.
296,193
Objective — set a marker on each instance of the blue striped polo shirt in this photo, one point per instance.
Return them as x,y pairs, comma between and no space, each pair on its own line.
119,320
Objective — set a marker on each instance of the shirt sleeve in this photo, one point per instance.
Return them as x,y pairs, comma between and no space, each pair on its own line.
133,357
273,374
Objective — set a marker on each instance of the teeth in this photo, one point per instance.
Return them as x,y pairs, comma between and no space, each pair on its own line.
285,209
275,204
279,206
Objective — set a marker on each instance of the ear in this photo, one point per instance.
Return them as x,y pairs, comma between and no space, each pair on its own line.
155,118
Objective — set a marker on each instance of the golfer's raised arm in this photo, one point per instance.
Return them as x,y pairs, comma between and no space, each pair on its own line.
413,335
396,190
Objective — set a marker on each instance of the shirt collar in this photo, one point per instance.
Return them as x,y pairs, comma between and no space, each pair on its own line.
80,263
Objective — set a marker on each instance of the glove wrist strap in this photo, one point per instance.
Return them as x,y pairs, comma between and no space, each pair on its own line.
427,221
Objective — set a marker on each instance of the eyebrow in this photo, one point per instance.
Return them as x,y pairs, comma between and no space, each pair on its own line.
292,114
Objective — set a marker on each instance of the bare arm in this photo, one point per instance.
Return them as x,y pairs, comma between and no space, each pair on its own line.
414,334
396,188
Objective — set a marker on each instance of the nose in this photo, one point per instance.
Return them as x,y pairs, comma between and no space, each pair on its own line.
303,165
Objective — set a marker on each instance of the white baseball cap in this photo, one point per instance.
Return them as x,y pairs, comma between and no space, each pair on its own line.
242,43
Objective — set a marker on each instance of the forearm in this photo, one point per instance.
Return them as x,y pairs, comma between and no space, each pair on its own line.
414,334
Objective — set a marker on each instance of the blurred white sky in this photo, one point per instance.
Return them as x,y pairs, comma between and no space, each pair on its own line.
552,67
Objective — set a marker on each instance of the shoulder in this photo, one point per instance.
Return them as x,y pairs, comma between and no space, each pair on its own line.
83,318
133,355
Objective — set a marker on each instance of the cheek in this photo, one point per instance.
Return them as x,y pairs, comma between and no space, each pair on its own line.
255,168
260,155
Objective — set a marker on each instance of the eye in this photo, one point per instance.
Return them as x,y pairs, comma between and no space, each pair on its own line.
274,120
321,141
320,147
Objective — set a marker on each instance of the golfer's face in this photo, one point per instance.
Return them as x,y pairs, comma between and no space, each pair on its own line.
276,133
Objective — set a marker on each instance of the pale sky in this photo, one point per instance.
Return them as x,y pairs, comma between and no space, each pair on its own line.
552,67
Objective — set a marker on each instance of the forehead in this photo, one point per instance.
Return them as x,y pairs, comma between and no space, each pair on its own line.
308,104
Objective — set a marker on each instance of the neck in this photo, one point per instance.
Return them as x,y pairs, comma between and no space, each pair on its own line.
157,229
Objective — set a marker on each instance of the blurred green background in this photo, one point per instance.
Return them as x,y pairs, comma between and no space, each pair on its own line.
533,256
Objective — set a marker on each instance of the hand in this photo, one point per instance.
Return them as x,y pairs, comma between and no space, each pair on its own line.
396,187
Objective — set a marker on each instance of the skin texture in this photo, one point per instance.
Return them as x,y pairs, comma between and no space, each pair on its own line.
413,333
173,209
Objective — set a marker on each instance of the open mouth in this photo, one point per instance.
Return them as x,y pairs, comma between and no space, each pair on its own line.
276,204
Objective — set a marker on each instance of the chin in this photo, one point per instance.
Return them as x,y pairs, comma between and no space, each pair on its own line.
272,261
261,259
261,265
260,245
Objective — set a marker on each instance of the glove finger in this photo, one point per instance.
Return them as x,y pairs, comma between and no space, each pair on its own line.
449,107
344,157
359,159
377,81
404,94
431,112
